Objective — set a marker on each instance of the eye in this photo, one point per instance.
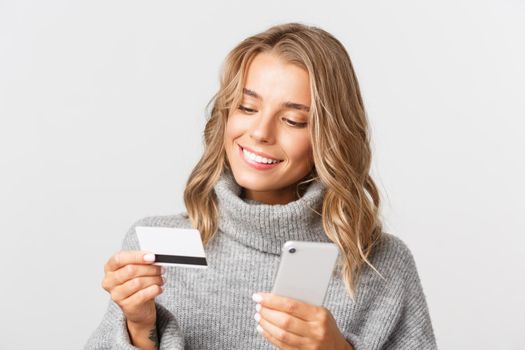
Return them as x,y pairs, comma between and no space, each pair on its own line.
295,124
247,110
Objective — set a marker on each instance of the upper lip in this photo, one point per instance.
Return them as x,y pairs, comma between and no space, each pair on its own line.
262,154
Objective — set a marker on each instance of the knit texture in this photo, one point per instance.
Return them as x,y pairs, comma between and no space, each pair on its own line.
212,308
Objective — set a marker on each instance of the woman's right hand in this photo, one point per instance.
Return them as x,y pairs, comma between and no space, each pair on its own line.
133,283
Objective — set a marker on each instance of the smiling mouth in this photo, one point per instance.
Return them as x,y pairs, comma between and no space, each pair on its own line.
258,159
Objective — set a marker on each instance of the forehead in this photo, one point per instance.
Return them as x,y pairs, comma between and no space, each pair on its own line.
275,79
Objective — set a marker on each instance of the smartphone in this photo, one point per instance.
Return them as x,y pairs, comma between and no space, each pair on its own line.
305,270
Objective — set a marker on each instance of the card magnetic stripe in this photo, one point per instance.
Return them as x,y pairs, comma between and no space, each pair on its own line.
181,259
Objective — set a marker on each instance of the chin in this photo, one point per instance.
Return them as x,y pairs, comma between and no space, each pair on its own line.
252,182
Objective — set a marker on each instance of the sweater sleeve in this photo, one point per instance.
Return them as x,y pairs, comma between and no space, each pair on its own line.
391,314
112,332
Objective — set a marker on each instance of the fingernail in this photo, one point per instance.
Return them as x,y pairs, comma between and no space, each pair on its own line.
162,269
259,329
163,279
258,307
257,317
256,297
149,257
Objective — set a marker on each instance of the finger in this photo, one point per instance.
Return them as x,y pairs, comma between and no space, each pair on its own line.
291,306
134,285
131,271
142,296
284,321
125,257
279,337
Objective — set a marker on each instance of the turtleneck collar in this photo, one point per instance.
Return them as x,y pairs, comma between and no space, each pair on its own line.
267,227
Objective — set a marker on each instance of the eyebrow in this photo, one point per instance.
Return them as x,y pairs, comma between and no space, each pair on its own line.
286,104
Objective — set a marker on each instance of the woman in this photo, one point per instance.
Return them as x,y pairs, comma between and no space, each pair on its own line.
286,157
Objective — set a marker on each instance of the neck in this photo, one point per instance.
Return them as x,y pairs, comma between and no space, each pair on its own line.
281,196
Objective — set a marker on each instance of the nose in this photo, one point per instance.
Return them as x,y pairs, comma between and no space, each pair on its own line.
262,129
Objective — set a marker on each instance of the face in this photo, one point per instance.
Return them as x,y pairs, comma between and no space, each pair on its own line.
266,139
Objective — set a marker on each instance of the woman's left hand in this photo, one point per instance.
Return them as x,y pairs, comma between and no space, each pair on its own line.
291,324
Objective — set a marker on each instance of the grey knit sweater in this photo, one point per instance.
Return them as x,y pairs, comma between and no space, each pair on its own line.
212,308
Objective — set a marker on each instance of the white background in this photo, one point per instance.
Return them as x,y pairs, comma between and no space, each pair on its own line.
102,107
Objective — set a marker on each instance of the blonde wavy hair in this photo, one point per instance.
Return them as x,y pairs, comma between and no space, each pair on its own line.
339,133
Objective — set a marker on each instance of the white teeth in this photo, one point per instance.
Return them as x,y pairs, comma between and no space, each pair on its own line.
258,159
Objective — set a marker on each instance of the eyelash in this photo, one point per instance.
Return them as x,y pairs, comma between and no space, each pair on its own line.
291,122
247,110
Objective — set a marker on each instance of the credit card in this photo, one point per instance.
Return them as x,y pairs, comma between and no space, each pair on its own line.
173,246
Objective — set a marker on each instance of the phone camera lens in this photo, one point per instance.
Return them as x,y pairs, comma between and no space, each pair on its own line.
291,250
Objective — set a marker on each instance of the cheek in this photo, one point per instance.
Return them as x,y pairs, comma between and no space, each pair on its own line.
235,127
299,149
